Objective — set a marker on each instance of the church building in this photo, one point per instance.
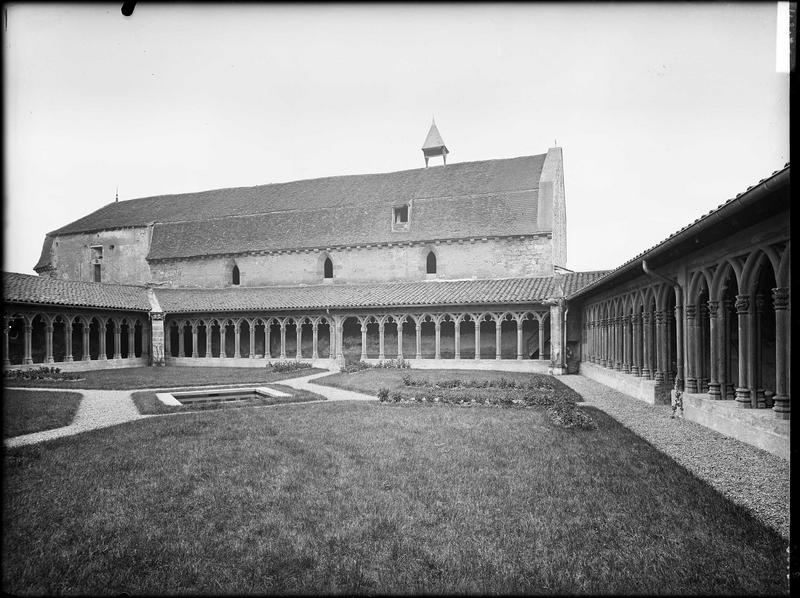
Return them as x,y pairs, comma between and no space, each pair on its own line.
449,262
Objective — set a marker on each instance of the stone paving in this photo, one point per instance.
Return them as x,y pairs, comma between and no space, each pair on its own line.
329,392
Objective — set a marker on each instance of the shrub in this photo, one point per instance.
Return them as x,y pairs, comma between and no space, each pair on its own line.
570,416
383,394
356,366
40,373
288,366
393,364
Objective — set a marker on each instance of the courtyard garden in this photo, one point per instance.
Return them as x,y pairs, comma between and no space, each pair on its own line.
373,498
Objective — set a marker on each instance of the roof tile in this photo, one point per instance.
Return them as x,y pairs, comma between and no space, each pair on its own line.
25,288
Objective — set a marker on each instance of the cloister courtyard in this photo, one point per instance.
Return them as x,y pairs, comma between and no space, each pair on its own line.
455,481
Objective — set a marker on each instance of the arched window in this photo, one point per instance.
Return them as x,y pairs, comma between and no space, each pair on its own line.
235,275
328,273
431,266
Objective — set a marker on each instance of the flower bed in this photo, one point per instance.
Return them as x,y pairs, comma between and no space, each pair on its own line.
559,399
389,364
41,373
288,366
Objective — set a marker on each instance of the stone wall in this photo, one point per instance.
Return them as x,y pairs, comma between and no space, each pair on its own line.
492,258
123,260
552,208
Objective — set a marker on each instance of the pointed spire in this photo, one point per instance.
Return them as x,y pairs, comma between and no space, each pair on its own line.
434,144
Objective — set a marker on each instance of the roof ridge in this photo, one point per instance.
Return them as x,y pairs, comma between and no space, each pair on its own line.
337,176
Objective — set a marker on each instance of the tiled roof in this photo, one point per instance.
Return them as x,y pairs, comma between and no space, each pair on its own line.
396,294
460,217
655,249
25,288
486,198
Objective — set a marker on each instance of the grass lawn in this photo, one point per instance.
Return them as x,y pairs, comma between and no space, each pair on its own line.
28,411
367,498
147,402
163,377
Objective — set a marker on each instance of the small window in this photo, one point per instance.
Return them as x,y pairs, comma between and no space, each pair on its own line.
431,265
401,215
235,275
96,273
328,268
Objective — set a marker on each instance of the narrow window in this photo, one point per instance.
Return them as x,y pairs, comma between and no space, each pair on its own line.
431,266
235,275
96,272
328,268
401,215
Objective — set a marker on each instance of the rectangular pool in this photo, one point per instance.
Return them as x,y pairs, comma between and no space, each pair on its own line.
217,395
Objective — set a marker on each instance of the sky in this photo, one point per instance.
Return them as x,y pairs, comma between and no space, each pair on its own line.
663,111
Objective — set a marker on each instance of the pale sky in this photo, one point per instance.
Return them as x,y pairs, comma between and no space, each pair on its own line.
663,111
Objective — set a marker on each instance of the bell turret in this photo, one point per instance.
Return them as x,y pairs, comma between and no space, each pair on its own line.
434,145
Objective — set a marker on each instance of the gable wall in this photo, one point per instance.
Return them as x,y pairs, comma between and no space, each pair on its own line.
70,256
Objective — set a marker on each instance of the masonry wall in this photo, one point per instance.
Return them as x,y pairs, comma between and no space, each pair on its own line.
551,207
123,261
492,258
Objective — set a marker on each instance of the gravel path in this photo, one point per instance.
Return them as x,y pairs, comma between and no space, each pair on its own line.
329,392
98,409
743,473
104,408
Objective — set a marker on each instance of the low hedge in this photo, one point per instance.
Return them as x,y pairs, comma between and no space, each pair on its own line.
562,409
389,364
537,383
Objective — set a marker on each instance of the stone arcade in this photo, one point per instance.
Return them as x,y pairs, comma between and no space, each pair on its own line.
456,265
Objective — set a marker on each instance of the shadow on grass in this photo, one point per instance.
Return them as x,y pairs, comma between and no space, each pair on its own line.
28,411
359,498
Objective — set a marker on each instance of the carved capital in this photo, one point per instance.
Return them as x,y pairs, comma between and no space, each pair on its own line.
713,308
691,312
157,315
626,320
742,304
660,317
780,298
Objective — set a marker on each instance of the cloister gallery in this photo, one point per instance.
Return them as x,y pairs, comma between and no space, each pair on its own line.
459,265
